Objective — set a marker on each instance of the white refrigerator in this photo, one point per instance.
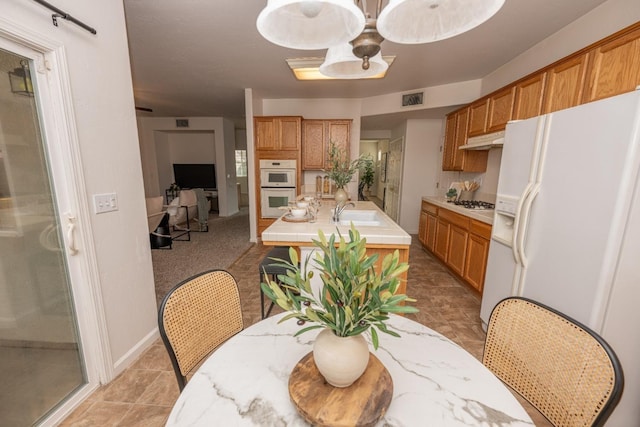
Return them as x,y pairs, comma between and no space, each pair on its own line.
566,227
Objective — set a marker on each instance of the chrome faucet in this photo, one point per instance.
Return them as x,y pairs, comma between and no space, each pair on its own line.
340,206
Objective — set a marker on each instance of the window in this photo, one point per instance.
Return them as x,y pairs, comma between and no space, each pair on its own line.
241,162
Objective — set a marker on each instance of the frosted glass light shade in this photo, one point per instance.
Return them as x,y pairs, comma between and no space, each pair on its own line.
341,63
423,21
310,24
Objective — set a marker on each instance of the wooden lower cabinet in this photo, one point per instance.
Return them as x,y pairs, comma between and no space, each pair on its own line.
462,243
457,251
441,246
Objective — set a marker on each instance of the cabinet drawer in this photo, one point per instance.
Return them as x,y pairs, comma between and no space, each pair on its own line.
480,229
428,207
454,218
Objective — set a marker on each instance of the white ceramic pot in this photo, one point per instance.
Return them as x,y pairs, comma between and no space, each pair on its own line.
341,195
340,360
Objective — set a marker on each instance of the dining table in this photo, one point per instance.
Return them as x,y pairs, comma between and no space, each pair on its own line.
244,382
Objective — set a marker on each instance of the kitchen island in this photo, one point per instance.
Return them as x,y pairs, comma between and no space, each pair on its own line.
383,235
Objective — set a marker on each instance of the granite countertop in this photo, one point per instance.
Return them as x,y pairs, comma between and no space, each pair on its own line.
485,216
387,232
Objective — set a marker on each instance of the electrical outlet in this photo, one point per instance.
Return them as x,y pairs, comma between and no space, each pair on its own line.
105,203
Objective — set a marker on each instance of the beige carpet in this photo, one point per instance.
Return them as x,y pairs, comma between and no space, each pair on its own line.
226,240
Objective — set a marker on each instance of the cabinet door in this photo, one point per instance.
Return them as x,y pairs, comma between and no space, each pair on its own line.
339,133
449,142
500,109
564,84
313,148
430,239
478,117
442,239
462,126
614,67
457,250
476,263
289,133
265,131
422,228
529,96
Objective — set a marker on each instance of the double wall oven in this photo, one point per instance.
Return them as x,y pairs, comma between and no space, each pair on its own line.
277,186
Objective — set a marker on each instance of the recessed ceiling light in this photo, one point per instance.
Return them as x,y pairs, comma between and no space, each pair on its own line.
309,68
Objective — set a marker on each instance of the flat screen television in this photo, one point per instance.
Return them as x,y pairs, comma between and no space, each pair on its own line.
195,175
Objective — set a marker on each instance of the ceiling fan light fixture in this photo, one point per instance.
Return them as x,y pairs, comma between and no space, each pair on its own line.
424,21
341,63
310,24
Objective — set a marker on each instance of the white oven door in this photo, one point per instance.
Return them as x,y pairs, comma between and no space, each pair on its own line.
273,198
277,177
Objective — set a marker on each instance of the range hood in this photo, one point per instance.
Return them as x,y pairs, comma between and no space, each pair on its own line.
484,142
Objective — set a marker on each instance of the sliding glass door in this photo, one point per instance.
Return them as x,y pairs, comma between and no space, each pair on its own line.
41,360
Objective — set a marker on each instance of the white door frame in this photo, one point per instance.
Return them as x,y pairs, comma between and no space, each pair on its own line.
61,144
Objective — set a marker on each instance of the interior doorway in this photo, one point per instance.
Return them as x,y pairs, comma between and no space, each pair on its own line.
393,187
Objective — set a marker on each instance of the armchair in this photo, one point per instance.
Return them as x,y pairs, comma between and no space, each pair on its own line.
158,236
182,211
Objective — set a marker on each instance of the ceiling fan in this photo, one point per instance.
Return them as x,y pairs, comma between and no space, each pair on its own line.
342,25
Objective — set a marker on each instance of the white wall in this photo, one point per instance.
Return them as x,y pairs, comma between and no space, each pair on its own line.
102,97
422,168
152,132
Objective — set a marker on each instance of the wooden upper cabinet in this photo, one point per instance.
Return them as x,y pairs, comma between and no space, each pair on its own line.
564,85
277,133
528,97
449,142
478,117
313,147
456,132
317,135
500,109
614,67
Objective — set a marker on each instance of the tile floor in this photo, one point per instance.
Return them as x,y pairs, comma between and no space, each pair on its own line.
144,394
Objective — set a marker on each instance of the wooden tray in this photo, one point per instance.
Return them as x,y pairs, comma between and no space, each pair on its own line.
363,403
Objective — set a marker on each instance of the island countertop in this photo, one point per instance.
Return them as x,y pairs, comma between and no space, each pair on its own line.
387,232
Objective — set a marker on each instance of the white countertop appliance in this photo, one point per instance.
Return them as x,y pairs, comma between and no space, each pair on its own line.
566,229
277,186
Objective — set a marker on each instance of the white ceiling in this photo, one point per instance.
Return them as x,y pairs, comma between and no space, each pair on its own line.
196,57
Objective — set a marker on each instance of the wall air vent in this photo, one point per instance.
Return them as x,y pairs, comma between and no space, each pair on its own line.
182,123
412,99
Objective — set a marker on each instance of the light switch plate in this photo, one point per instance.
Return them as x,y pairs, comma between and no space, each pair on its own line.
105,203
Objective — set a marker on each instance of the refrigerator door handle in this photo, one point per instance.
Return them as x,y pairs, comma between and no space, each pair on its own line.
522,226
516,223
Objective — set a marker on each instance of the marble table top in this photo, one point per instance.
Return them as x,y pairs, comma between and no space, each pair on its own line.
435,381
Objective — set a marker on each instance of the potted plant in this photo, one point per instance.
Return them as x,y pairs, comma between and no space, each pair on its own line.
367,173
342,169
354,299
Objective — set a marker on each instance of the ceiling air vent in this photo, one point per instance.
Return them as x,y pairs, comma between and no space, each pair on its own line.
412,99
182,123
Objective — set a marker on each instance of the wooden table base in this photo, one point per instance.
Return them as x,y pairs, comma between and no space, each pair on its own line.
361,404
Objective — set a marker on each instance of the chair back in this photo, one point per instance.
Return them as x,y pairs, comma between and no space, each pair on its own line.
155,212
563,368
196,316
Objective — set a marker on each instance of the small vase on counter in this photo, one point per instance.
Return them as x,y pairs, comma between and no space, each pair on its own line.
341,195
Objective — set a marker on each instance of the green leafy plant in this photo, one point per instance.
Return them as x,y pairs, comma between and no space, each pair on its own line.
341,168
353,299
367,174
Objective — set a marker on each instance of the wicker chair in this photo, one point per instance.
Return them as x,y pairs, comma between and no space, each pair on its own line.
196,316
564,369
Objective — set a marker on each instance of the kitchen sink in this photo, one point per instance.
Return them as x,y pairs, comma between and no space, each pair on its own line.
360,218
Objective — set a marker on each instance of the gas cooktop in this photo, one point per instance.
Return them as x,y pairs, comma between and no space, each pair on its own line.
474,204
